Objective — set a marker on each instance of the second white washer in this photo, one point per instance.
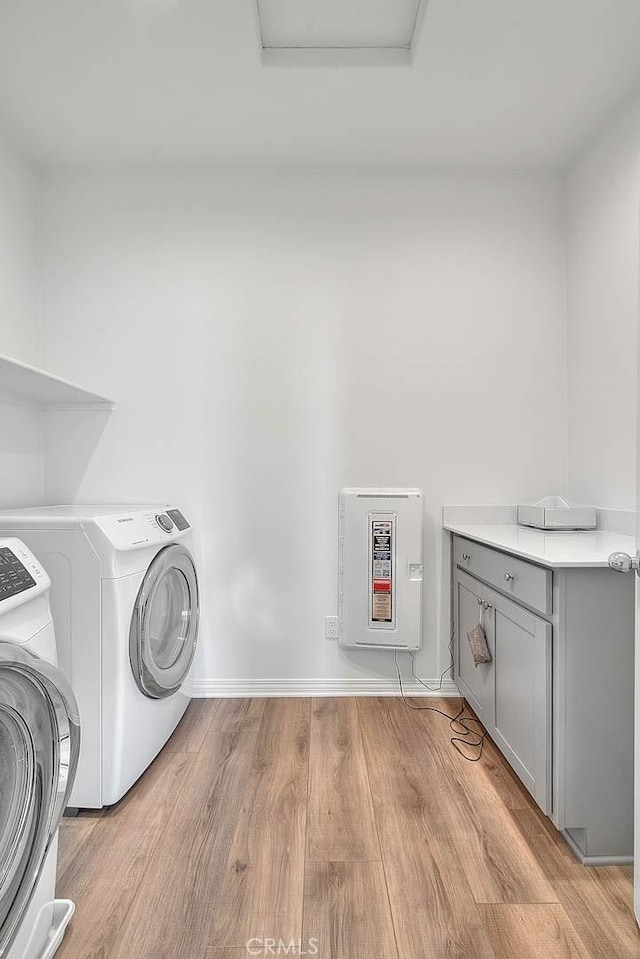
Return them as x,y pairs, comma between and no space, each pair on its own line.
39,742
125,604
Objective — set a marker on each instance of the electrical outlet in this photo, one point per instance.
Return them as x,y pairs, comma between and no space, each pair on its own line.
331,627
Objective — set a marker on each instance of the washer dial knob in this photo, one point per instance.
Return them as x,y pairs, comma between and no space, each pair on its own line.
164,522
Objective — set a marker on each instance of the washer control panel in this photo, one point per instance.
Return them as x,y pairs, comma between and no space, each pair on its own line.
20,572
14,576
143,527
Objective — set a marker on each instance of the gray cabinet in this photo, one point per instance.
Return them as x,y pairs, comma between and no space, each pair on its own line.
477,681
512,694
521,645
557,697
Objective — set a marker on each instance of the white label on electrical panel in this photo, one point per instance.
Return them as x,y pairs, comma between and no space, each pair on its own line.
382,572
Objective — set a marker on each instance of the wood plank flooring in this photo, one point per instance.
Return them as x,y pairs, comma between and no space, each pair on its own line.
341,828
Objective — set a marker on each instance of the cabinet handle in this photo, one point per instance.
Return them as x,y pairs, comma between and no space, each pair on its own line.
487,605
509,577
466,556
479,601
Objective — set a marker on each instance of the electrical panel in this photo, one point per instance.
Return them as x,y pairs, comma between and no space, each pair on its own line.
380,569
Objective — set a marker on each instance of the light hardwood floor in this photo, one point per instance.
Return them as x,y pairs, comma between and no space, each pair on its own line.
349,826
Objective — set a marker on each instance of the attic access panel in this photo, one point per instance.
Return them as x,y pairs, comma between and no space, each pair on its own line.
341,25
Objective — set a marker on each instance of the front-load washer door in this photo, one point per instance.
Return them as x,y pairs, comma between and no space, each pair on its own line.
164,625
39,745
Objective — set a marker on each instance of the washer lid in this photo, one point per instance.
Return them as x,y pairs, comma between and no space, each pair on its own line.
164,625
39,746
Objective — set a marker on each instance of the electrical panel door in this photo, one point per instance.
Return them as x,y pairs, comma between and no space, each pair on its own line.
380,563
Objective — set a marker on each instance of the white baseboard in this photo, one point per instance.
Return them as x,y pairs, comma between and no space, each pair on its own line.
247,688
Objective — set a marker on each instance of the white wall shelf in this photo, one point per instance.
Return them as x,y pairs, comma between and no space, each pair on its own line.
34,387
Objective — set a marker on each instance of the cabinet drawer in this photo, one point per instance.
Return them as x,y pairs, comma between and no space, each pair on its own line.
526,582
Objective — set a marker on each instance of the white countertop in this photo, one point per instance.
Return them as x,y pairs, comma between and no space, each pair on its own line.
548,548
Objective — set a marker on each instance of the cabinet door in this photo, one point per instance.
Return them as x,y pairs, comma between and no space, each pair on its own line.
521,645
475,682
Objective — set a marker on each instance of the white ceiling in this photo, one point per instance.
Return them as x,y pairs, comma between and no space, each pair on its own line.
520,83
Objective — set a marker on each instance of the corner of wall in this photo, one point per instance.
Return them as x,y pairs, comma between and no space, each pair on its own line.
564,187
602,204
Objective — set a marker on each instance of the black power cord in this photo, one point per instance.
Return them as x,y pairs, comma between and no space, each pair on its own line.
460,738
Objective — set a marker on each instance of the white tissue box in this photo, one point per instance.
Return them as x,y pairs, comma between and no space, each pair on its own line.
553,512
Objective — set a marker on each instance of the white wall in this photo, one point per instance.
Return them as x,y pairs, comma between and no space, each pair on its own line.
603,192
21,467
273,337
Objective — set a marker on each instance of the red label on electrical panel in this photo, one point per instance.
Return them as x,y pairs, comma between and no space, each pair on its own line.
382,585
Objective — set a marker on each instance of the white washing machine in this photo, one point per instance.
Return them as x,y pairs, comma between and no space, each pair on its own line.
39,744
125,604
